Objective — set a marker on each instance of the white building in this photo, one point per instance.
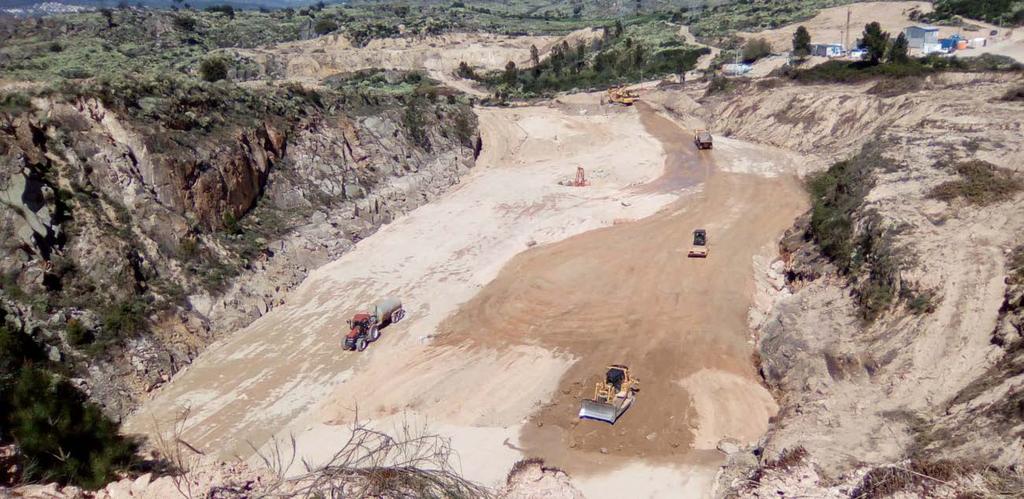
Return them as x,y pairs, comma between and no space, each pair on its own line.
923,38
827,49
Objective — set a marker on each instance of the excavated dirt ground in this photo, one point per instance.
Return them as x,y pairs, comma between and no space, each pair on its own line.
519,292
628,294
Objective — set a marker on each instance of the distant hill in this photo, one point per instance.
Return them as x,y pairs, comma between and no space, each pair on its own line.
32,4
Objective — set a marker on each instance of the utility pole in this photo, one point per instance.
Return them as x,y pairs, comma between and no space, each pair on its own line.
846,34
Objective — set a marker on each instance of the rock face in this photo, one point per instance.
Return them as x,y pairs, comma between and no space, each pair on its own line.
933,374
130,242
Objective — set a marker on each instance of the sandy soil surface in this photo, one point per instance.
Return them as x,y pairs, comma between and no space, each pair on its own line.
829,24
309,61
519,291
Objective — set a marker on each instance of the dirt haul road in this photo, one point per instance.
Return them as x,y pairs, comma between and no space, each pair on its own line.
504,371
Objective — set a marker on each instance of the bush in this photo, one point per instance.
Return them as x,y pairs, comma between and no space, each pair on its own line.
1004,12
213,69
980,183
60,436
223,9
78,334
185,23
836,194
325,26
123,319
415,123
756,49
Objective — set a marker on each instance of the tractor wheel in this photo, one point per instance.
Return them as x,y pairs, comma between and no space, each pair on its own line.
398,315
361,344
374,333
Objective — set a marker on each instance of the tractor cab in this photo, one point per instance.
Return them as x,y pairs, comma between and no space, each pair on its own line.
357,323
700,237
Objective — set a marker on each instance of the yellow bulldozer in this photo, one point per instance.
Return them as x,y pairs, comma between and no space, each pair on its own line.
612,397
622,96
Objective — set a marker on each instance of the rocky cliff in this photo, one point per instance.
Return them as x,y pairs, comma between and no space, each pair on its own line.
142,219
893,337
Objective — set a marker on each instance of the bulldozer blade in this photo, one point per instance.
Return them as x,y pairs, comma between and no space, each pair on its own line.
598,411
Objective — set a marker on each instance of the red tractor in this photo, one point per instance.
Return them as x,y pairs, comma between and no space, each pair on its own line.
365,327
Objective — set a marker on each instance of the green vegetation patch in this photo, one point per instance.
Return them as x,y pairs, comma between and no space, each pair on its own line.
624,54
1001,12
837,71
980,183
719,21
858,243
60,436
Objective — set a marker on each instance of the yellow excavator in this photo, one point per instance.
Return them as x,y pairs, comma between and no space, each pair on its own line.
622,96
613,397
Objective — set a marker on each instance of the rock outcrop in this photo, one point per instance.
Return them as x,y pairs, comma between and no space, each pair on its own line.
920,362
133,236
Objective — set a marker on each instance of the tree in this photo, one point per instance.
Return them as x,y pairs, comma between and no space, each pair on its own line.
534,56
223,9
465,71
875,41
108,15
511,73
801,42
618,29
213,69
638,56
324,26
755,49
898,50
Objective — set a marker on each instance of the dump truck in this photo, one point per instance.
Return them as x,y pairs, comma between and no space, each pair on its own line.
699,249
622,96
702,139
364,327
612,397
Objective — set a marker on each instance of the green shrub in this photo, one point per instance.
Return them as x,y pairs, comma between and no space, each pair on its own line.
755,49
185,23
77,334
60,436
213,69
325,26
836,194
223,9
414,120
230,223
1003,12
14,103
919,302
980,183
124,318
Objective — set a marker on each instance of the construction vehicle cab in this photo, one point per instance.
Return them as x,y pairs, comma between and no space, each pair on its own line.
622,96
612,397
700,244
702,139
